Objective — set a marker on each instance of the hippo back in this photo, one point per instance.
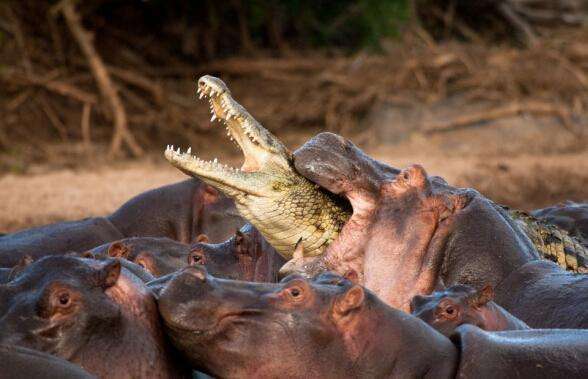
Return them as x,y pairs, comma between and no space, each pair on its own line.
19,362
545,296
540,353
57,238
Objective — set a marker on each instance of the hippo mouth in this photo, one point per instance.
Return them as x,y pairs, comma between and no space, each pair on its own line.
222,322
259,147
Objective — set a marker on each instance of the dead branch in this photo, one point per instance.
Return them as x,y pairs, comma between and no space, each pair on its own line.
86,136
139,81
509,110
20,41
53,118
107,89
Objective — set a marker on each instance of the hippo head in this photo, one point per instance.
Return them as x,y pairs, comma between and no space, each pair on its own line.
409,230
56,303
446,310
245,256
157,256
240,329
321,327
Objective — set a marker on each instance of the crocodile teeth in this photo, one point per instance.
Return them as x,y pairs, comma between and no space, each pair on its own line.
189,150
213,117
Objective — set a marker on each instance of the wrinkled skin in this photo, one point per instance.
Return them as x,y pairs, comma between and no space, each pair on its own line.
325,328
470,242
409,231
56,239
540,353
544,296
180,211
90,313
570,216
18,362
158,256
245,256
446,310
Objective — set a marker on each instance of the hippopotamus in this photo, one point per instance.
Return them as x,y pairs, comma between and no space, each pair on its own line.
181,211
91,313
570,216
56,238
245,256
329,327
532,353
19,362
411,232
305,329
158,256
459,304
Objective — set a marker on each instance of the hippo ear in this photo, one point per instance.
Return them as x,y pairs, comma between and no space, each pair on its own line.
118,250
21,265
351,300
298,250
202,238
485,295
352,276
109,273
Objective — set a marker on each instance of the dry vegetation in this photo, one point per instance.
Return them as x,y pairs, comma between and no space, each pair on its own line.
457,94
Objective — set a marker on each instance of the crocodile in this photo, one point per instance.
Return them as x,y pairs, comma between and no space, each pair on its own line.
287,207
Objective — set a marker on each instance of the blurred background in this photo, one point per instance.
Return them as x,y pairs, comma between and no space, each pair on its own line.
490,94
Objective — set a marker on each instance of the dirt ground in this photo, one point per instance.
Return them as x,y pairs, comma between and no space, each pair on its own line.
526,170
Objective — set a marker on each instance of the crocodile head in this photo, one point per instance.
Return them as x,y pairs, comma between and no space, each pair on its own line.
283,205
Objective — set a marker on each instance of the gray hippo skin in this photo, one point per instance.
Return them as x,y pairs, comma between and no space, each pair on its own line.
180,211
547,296
19,362
91,313
541,353
57,238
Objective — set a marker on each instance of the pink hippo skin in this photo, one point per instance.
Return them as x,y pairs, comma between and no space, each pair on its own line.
90,313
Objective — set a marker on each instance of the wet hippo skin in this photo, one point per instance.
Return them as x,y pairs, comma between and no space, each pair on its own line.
545,296
411,232
56,239
91,313
324,328
19,362
540,353
180,211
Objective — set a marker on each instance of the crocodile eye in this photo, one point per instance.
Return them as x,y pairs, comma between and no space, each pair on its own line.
405,175
449,310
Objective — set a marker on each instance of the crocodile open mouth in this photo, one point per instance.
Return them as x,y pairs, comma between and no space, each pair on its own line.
259,146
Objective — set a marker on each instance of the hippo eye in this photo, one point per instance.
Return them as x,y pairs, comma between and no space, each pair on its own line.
295,293
64,299
405,175
197,259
